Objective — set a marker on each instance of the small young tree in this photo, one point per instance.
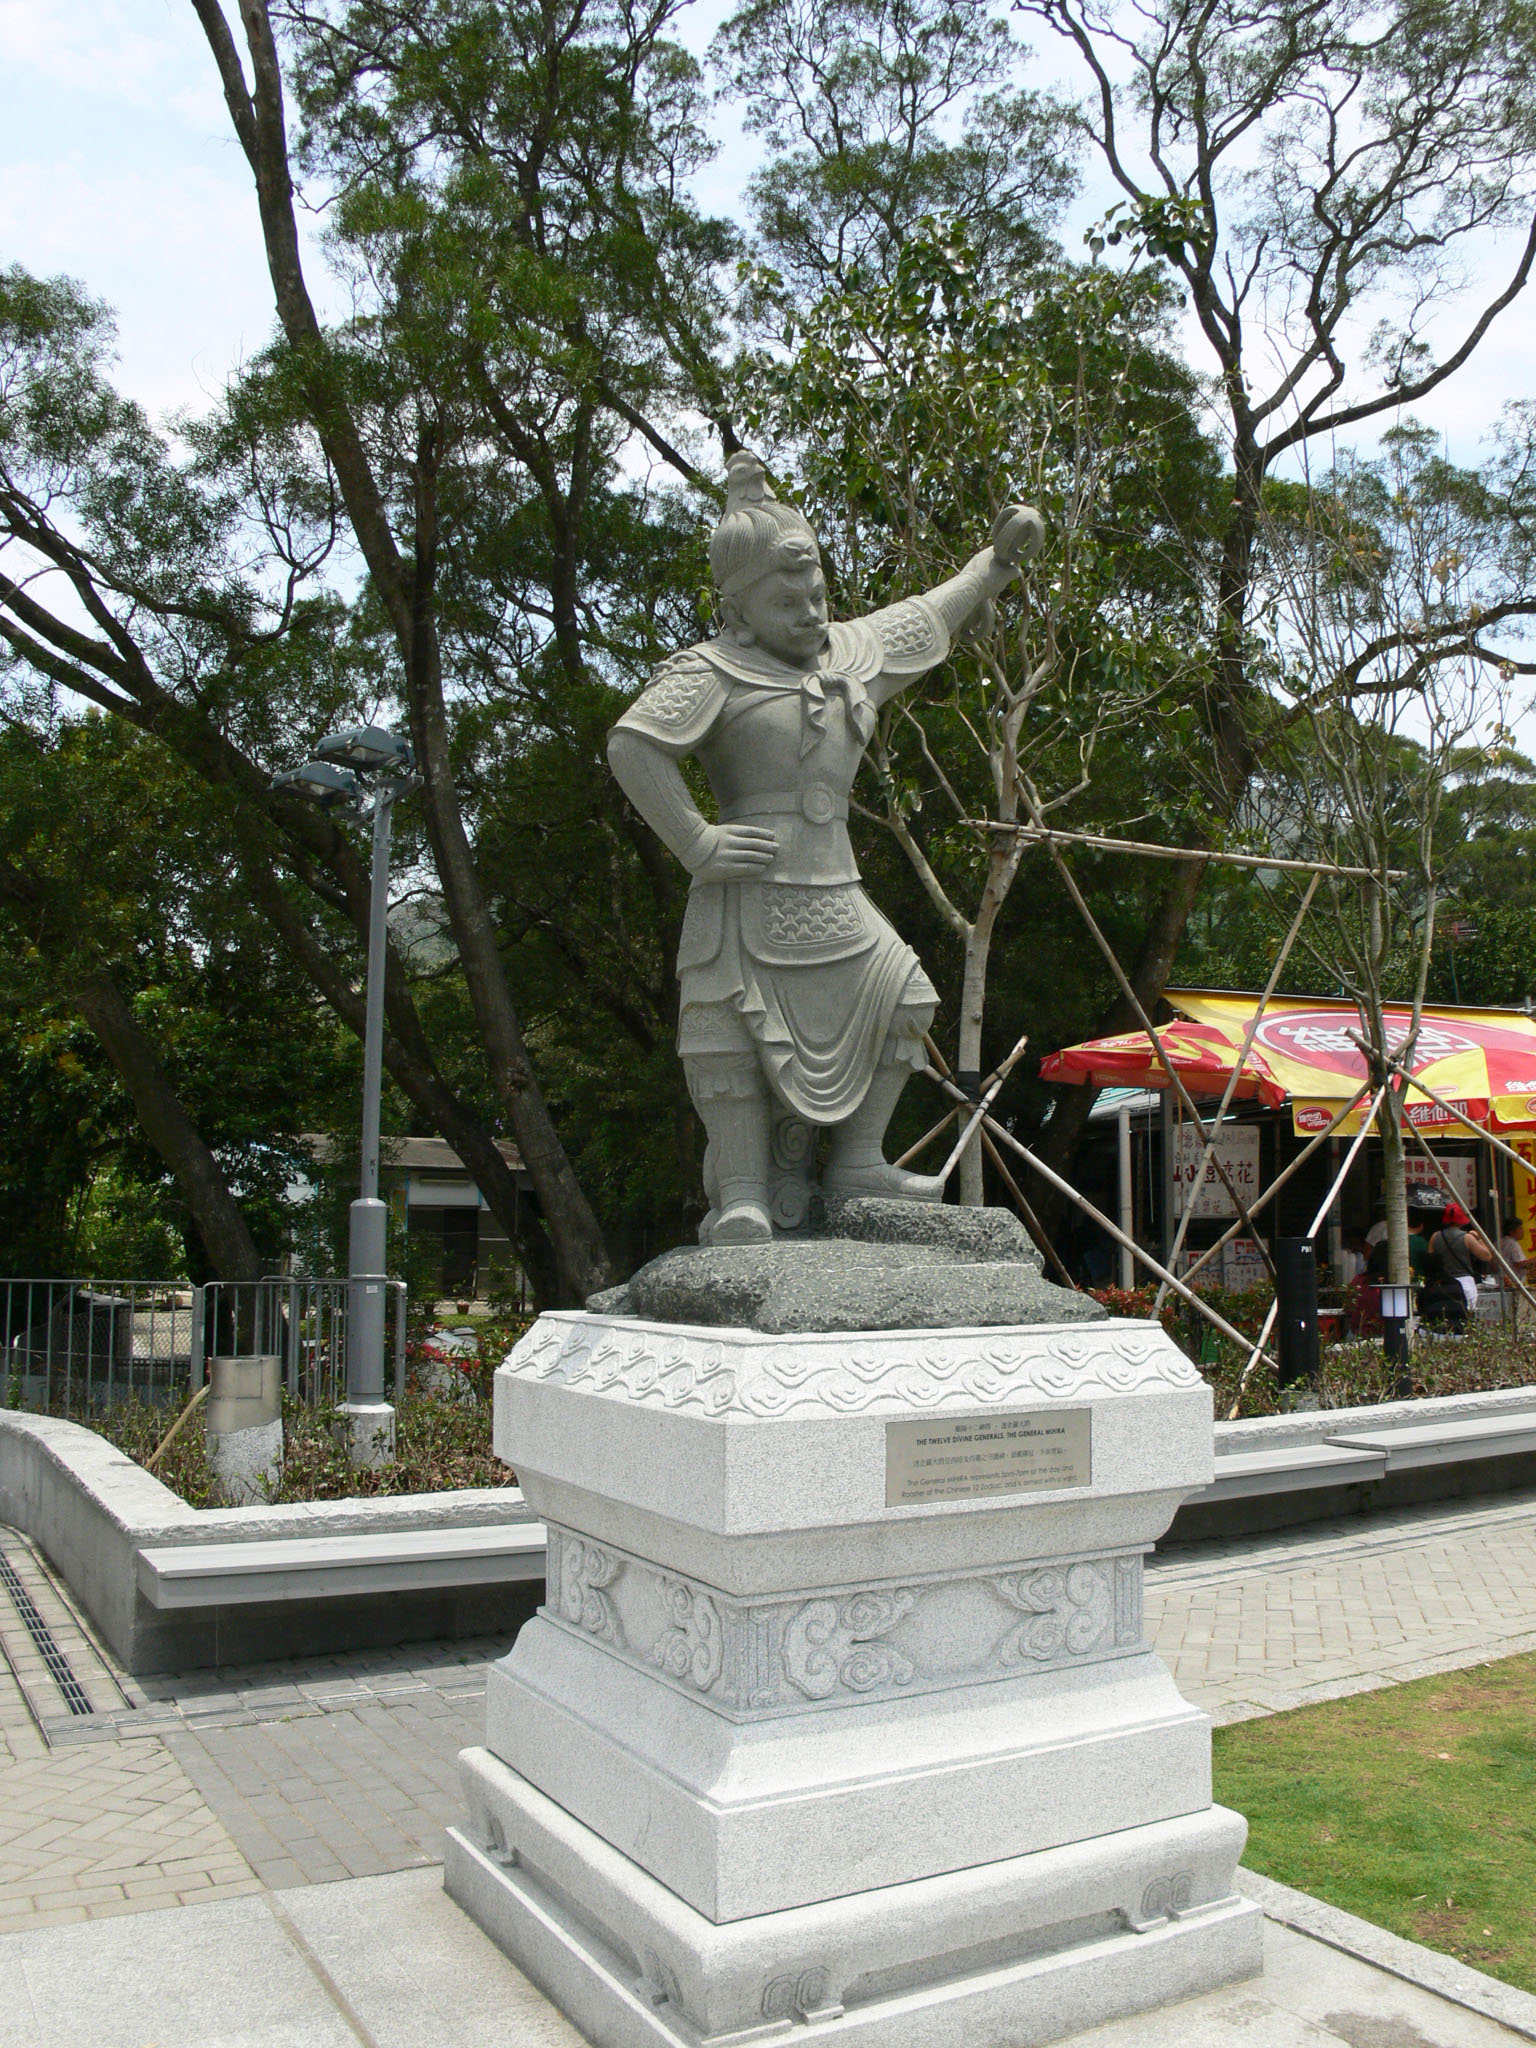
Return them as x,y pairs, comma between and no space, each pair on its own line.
1398,589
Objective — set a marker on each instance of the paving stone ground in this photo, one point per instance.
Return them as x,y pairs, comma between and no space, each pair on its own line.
285,1775
1276,1622
92,1829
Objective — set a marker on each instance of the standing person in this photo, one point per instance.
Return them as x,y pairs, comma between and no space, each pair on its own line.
1457,1251
800,1006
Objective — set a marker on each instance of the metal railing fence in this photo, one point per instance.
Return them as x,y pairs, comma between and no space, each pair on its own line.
82,1343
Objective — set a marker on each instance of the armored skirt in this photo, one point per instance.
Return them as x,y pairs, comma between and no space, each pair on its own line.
808,976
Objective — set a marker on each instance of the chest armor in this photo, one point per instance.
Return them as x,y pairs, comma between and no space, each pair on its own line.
762,772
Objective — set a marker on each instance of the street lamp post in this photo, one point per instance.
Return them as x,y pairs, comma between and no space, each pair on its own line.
362,773
1395,1305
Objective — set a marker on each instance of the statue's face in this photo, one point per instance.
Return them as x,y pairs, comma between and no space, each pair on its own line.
785,612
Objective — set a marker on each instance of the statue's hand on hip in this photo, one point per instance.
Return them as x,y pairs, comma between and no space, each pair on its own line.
732,853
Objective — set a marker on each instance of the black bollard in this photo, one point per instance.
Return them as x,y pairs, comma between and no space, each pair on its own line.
1296,1311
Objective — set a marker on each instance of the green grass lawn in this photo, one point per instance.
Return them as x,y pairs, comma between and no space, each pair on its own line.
1414,1807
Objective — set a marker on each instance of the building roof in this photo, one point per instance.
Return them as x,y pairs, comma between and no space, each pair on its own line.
415,1155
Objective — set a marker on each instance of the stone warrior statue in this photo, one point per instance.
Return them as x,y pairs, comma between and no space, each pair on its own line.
801,1008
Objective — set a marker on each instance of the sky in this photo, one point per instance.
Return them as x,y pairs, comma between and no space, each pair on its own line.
118,166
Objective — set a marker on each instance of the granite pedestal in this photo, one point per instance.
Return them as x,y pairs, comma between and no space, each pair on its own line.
837,1722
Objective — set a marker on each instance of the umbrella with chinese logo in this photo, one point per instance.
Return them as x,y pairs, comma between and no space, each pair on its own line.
1303,1051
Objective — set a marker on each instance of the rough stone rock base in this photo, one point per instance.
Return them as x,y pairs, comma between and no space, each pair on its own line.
367,1430
1009,1954
869,1263
246,1463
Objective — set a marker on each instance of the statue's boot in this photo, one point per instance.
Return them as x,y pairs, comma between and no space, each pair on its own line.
856,1164
737,1180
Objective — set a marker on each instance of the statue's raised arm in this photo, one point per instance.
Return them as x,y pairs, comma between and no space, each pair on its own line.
801,1008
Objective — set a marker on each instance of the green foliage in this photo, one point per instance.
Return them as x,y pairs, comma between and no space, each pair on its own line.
127,865
442,1441
878,113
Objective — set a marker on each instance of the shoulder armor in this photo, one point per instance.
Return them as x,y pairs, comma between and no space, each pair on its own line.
680,703
911,637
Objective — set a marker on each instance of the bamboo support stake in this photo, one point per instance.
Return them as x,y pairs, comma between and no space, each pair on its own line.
1032,1221
1280,1179
1476,1129
927,1139
1065,1187
1139,1008
1317,1223
176,1427
988,1097
1248,1037
1206,855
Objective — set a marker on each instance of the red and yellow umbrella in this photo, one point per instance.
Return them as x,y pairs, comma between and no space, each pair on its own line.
1483,1061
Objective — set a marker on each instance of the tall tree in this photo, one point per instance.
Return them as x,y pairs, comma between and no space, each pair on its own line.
880,113
1318,177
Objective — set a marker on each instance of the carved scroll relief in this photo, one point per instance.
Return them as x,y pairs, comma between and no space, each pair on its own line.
748,1659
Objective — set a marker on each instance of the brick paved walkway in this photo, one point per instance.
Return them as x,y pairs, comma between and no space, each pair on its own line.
207,1786
98,1828
1276,1622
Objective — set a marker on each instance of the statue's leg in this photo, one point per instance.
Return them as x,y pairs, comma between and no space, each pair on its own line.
856,1162
731,1096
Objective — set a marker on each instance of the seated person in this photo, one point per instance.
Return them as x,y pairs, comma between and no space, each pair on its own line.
1512,1251
1353,1254
1362,1299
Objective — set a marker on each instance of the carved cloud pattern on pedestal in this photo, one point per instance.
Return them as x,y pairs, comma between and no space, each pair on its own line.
696,1372
752,1658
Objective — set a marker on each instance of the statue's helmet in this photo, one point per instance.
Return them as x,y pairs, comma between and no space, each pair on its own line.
756,533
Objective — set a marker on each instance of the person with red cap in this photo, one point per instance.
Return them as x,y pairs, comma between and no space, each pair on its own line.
1456,1251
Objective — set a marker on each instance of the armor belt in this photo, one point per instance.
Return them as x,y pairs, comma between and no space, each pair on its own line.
818,804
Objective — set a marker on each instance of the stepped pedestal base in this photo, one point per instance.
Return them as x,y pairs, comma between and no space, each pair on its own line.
1003,1955
837,1723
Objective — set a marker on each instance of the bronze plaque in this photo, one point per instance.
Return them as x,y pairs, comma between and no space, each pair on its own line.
970,1456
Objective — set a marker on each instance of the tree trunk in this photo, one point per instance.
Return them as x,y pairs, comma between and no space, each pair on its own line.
215,1212
1001,869
407,595
1394,1185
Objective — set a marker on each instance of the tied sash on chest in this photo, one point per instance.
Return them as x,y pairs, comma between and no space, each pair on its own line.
817,691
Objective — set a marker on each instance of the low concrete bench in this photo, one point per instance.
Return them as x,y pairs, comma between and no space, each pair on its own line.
1448,1443
1293,1470
324,1567
1275,1471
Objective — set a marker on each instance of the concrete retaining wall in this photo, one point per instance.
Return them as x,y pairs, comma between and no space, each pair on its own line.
91,1510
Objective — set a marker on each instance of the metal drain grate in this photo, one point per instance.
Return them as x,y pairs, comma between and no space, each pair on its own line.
73,1692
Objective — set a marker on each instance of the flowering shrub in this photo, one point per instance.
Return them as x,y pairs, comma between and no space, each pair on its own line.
1355,1374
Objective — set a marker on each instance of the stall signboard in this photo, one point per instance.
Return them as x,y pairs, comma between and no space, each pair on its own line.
1242,1264
1461,1173
1237,1148
1525,1198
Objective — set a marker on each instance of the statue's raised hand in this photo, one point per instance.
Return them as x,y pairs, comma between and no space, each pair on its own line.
1018,535
732,853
